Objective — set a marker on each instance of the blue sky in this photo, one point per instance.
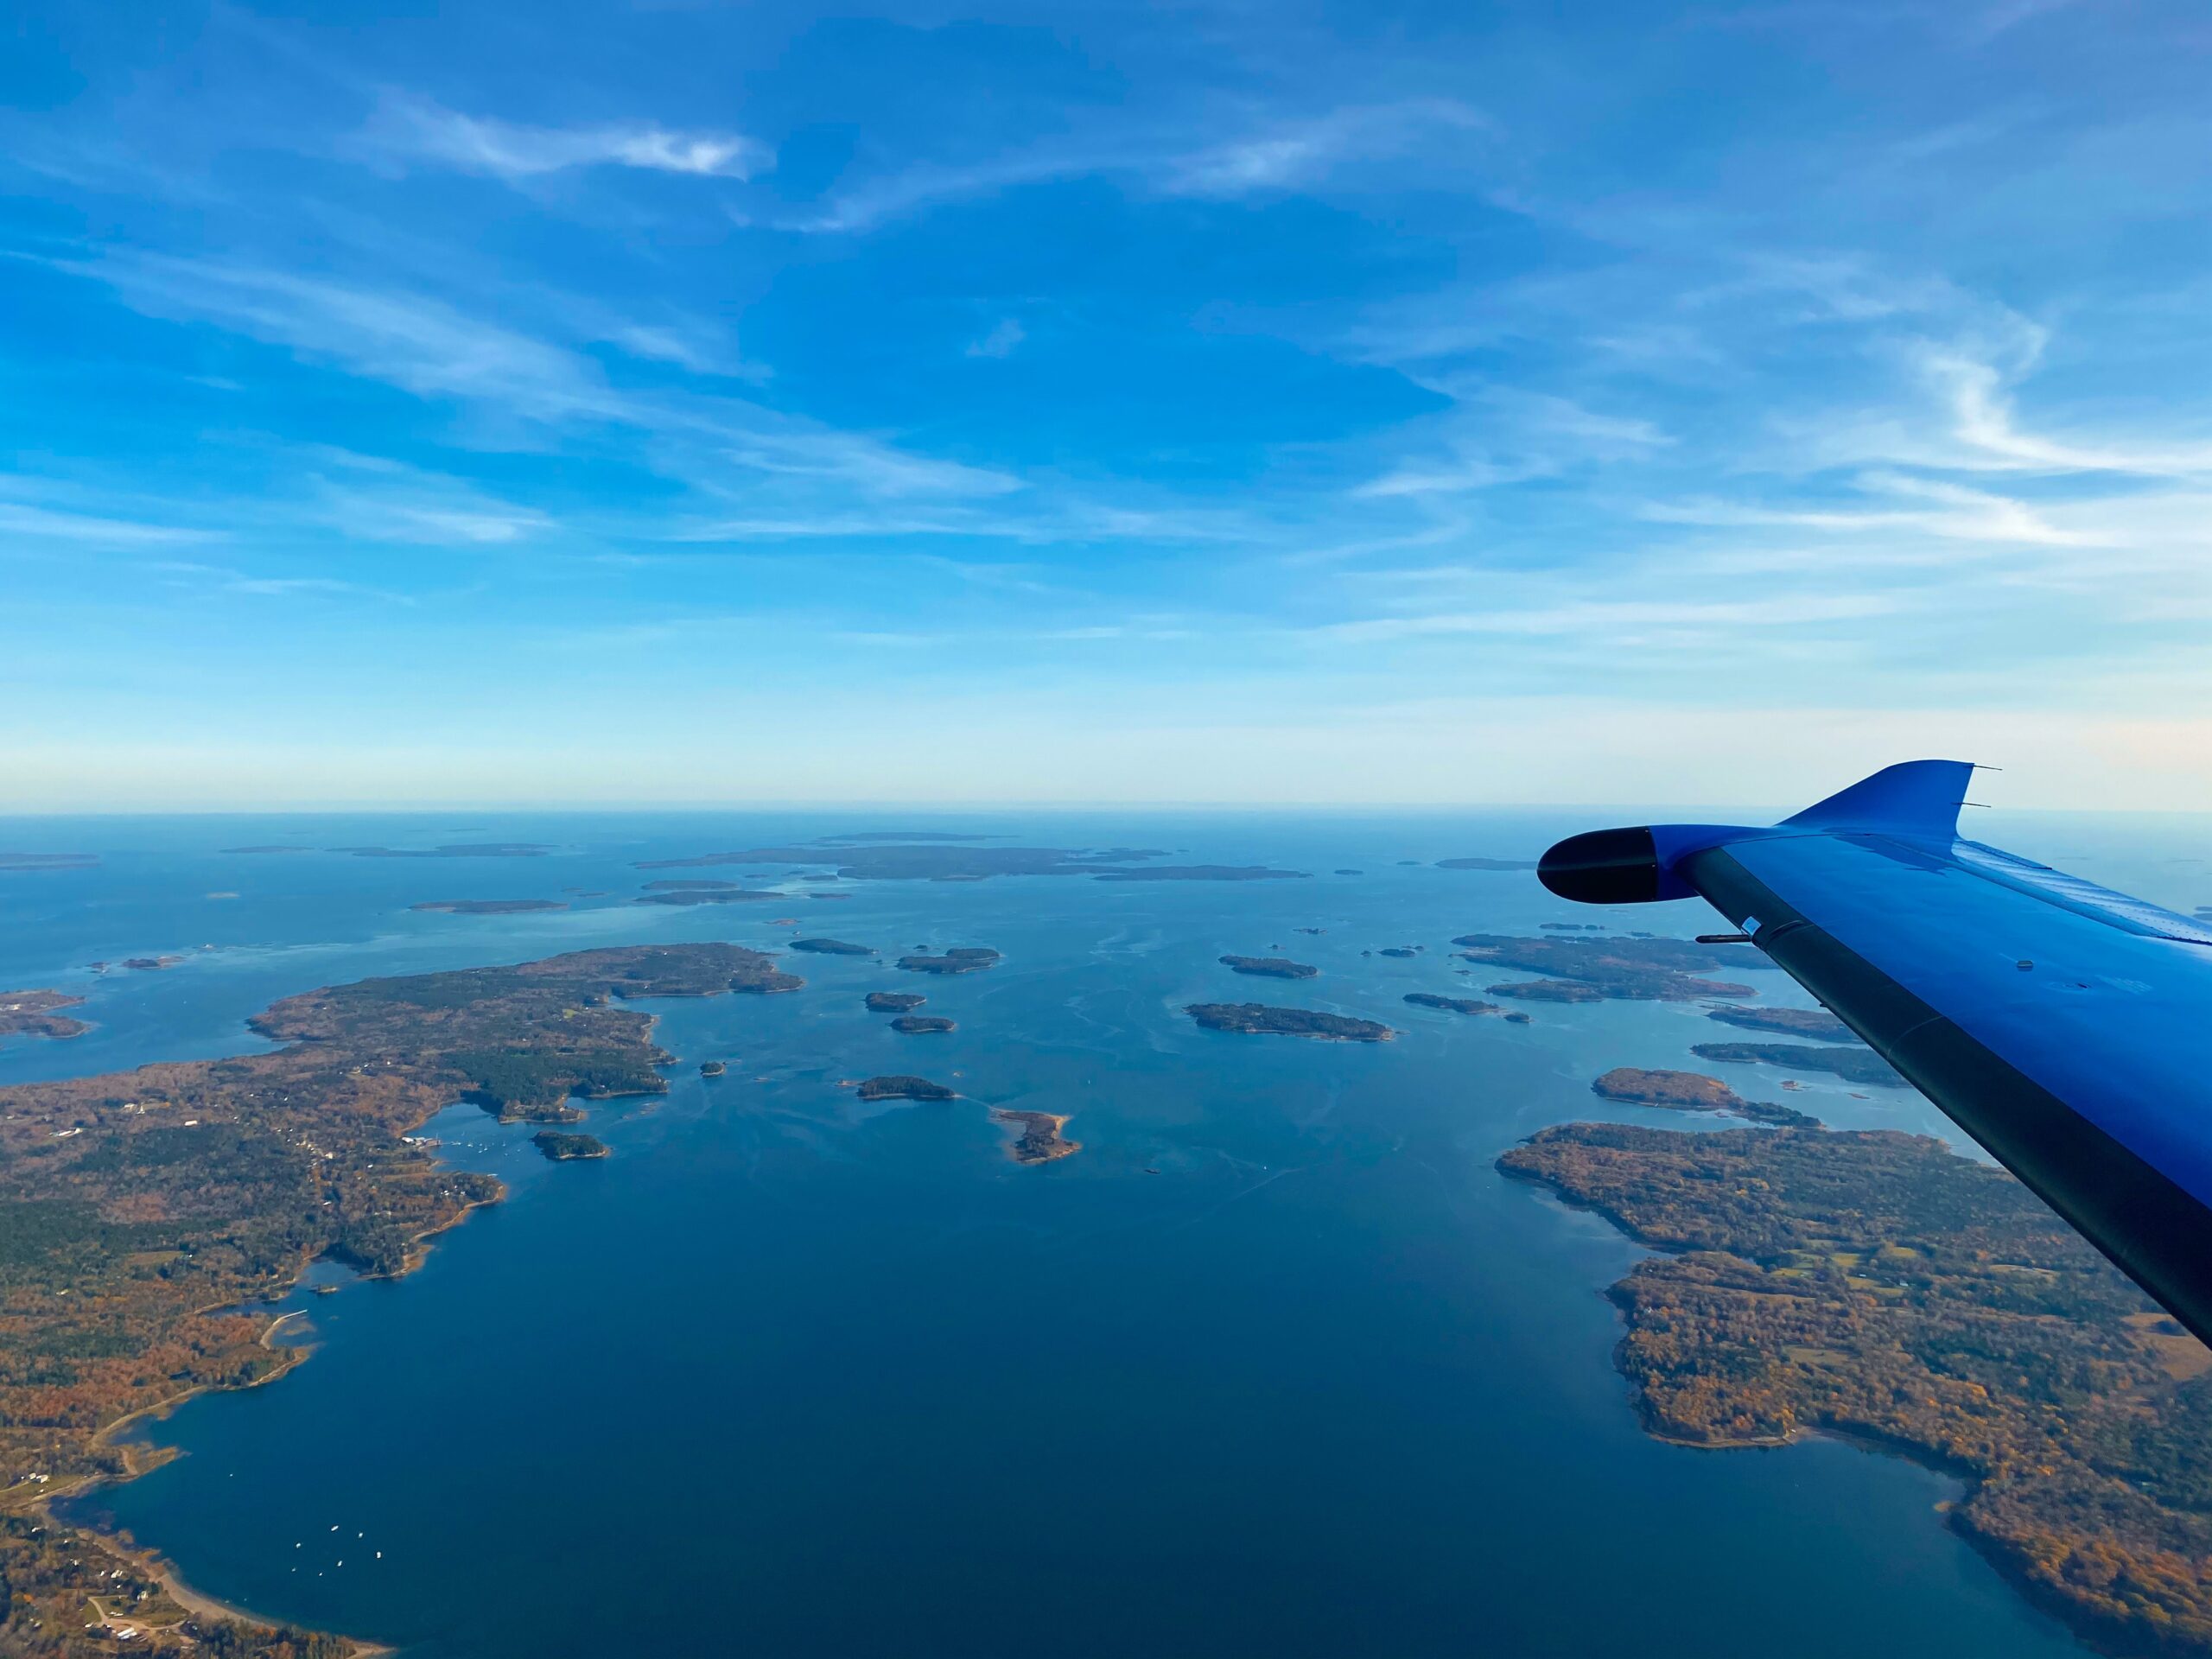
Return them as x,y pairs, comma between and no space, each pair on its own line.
559,403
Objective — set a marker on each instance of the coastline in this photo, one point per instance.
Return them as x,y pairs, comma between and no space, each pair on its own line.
2102,1633
150,1561
407,1081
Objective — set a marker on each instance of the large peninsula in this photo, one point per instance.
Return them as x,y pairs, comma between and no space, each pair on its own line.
1878,1286
139,1209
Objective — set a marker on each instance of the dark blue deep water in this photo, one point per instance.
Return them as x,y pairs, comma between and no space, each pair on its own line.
789,1376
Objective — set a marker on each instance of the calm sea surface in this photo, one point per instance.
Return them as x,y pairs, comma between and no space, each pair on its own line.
1276,1365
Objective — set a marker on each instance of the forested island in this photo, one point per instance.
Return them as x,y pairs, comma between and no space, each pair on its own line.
561,1148
941,859
1038,1139
26,862
488,907
949,858
451,850
38,1013
1201,872
961,959
1449,1004
1816,1023
1853,1065
1259,1019
832,948
720,893
894,1001
1877,1286
916,1024
1630,969
139,1210
904,1087
1270,967
1692,1091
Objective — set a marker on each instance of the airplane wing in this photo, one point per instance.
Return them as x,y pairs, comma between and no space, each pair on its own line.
2066,1027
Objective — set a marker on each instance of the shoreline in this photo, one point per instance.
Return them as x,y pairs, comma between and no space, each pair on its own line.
2103,1635
146,1563
149,1561
200,1605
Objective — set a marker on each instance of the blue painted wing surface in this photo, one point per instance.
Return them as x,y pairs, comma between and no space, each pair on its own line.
2067,1028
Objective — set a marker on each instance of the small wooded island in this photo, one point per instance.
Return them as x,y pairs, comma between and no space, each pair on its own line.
1878,1286
1038,1139
719,893
1270,967
1259,1019
961,959
1816,1023
451,850
561,1149
914,1025
1450,1004
488,907
832,948
904,1087
1201,872
1852,1065
38,1013
712,1068
1692,1091
894,1001
1631,968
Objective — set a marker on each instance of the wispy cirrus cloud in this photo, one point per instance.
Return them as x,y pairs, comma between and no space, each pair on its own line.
1984,420
1683,621
45,524
1954,512
1269,153
432,349
1500,436
406,130
999,341
223,579
411,340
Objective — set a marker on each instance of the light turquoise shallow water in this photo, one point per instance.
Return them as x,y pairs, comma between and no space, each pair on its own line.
787,1375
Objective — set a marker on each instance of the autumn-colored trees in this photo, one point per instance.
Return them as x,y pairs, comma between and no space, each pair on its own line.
1877,1285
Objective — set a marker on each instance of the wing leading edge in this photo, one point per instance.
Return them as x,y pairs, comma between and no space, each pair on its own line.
2066,1027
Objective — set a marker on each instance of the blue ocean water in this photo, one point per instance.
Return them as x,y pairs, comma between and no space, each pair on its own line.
1277,1363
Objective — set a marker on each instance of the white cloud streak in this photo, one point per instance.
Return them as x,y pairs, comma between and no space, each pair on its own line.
406,130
